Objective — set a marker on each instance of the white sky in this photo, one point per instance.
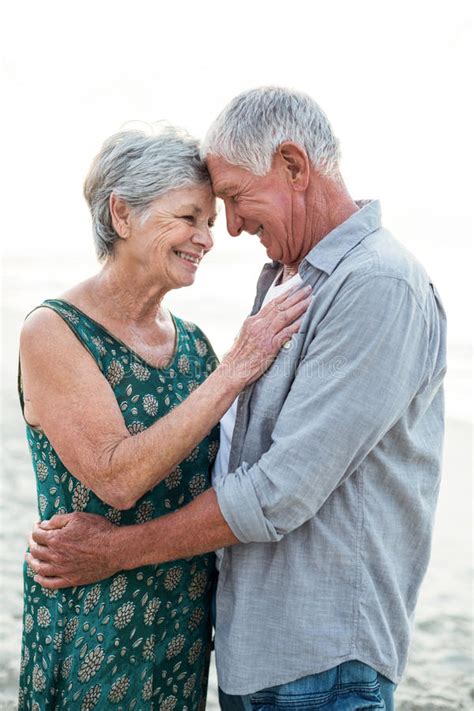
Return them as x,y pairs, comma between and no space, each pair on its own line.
394,78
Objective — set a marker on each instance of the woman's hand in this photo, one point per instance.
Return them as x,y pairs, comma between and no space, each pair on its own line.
93,441
262,336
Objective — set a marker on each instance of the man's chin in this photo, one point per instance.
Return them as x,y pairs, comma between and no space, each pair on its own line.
271,254
267,249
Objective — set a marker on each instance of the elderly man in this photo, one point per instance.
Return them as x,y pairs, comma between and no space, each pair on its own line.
327,478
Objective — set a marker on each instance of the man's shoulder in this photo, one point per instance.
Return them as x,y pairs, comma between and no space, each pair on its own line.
380,255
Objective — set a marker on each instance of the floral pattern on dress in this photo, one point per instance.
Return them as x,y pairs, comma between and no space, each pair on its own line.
140,639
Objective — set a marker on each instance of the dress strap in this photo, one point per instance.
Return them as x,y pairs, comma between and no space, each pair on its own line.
87,331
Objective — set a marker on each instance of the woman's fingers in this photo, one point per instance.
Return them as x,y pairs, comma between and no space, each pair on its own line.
263,334
286,308
290,297
287,315
286,300
285,335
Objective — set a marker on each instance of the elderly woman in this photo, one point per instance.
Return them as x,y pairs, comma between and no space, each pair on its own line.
121,400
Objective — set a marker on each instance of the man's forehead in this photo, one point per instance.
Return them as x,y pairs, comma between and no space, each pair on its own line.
225,177
219,167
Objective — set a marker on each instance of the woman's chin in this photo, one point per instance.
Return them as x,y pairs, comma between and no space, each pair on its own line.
183,281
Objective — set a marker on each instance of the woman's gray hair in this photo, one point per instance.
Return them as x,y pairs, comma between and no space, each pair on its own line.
254,124
138,167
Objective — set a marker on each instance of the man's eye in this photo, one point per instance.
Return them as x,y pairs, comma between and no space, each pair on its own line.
189,218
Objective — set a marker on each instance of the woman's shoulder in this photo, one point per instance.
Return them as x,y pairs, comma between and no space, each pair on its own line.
55,329
49,317
41,320
191,328
45,315
199,339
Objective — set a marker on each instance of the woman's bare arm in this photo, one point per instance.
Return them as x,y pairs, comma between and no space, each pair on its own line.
76,408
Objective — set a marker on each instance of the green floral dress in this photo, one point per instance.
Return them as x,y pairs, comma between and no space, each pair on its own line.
141,639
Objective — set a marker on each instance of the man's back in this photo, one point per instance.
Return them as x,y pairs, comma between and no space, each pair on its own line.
336,453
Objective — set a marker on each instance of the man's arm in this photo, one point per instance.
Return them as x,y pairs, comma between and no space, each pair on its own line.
368,360
364,367
83,548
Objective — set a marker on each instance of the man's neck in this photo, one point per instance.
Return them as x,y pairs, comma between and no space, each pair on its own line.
325,205
289,272
329,205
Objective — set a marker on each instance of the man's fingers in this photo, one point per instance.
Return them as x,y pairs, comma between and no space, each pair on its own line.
53,583
38,551
42,537
58,521
41,567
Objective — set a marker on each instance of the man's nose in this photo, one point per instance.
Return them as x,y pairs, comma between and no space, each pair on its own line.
234,222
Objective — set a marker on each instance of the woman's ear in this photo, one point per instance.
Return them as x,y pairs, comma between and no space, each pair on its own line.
296,164
120,216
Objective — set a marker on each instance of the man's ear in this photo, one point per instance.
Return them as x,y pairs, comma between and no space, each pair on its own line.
296,164
120,216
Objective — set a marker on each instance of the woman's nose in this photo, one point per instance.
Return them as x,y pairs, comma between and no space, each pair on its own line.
203,238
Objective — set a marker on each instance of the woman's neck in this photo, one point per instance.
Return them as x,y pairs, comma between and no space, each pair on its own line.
117,294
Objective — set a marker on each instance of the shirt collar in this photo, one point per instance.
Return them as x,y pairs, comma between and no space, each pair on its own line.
327,254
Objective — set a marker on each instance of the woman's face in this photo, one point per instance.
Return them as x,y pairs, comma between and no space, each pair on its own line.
173,235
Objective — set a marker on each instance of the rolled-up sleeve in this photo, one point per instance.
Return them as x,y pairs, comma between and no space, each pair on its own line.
361,371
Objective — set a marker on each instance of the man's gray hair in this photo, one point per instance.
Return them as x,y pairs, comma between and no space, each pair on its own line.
139,167
254,124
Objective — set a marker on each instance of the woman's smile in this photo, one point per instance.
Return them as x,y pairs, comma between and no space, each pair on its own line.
189,257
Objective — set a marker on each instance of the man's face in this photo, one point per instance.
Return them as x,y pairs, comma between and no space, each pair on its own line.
260,205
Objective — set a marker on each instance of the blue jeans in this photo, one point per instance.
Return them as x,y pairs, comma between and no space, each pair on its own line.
352,686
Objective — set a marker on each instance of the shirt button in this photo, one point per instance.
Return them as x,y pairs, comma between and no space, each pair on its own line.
287,345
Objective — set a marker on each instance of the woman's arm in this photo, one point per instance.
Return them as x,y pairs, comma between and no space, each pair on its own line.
76,408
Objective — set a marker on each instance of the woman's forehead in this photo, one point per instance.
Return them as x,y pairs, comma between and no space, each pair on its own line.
194,199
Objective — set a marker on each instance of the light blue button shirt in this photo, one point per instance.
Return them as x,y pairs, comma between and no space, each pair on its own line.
334,470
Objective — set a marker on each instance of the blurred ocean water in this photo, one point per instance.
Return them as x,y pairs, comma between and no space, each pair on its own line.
439,674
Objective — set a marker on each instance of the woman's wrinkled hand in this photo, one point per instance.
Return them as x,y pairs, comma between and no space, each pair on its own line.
72,549
262,335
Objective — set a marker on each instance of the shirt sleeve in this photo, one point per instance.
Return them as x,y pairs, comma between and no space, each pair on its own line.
362,369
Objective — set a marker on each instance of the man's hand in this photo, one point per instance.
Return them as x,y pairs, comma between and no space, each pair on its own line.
79,548
72,549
